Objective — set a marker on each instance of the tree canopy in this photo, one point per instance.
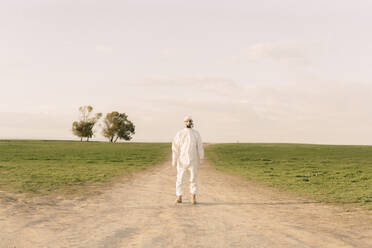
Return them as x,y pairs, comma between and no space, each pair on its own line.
117,126
84,127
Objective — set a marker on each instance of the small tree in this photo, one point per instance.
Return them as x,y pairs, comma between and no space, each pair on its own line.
117,126
84,127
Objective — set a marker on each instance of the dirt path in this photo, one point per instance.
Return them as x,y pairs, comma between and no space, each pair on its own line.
140,213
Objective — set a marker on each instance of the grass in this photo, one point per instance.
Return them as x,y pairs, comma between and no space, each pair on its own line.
332,174
42,167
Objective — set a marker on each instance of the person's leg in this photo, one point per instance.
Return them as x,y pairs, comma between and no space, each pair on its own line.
193,182
180,180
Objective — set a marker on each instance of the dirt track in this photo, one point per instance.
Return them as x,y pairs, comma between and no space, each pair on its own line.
140,213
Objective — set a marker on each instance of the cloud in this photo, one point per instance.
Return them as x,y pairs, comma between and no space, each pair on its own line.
284,52
186,81
212,85
25,125
308,101
103,49
33,120
313,100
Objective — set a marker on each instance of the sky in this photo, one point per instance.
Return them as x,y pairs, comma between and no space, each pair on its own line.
247,71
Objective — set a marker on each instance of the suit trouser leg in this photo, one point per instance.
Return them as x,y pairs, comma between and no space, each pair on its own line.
193,179
180,180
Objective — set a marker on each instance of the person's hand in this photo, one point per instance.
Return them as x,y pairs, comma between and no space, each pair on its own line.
173,164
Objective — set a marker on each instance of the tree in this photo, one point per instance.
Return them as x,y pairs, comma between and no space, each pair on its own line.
117,126
84,127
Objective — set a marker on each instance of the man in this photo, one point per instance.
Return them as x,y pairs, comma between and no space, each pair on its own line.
187,150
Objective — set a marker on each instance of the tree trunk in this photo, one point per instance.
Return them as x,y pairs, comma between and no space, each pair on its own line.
116,138
87,139
81,139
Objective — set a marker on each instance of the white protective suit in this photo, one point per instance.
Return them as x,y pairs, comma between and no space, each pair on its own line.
187,149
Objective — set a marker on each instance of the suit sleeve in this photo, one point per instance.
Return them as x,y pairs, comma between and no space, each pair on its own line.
200,148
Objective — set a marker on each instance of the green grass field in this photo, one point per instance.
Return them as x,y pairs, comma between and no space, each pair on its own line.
333,174
42,167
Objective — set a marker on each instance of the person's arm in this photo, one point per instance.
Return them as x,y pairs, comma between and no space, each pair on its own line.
175,151
200,149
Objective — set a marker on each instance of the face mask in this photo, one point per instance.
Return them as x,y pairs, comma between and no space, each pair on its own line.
189,124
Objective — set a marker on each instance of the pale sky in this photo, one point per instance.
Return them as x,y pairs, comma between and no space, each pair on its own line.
246,70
